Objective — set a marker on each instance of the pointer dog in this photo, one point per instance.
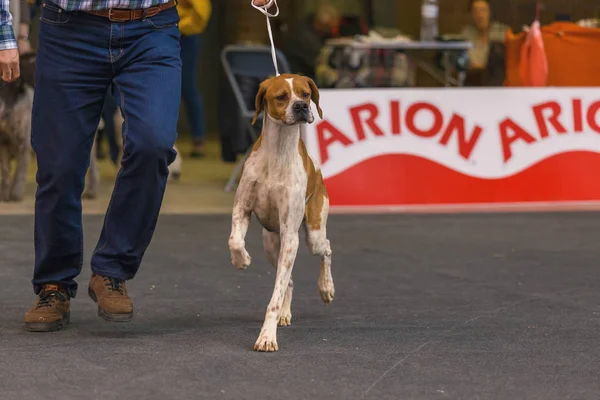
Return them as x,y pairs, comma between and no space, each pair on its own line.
284,189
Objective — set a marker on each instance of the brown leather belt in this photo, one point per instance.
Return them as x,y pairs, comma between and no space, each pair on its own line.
125,15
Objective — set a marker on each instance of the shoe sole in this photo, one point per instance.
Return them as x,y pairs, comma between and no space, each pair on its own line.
48,326
105,315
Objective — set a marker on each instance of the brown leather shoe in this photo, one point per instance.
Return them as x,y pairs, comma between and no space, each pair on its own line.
50,312
114,305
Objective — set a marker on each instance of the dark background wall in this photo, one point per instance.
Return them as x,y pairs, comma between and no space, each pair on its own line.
235,21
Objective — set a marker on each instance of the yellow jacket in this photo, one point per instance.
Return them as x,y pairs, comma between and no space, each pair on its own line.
193,15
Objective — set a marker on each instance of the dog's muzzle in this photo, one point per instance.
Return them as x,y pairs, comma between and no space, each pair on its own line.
302,111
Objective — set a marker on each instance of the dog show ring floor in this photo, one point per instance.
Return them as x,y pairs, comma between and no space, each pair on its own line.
445,306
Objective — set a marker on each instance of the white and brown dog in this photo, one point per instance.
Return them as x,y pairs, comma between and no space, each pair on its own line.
284,189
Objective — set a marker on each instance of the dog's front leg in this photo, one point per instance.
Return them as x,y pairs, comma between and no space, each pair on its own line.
267,340
20,177
272,245
240,219
291,216
4,174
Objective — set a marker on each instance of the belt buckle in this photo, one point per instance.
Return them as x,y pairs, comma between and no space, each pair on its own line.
114,19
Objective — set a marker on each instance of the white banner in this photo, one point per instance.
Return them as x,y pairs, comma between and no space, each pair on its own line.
485,133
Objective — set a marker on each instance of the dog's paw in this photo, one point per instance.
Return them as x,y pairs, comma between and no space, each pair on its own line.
266,342
327,292
240,258
285,319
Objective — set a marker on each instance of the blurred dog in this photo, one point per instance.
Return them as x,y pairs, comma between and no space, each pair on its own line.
16,102
93,175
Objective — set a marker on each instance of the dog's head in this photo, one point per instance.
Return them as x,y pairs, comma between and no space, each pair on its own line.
286,99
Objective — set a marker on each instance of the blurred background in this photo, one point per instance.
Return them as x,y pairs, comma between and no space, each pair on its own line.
234,21
317,38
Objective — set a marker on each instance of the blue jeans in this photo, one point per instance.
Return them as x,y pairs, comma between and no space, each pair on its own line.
190,55
79,56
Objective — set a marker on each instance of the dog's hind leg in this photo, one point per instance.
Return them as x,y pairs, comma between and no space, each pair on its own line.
4,174
272,245
17,190
317,211
240,220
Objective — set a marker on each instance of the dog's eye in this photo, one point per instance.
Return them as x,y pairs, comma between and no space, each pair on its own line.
306,95
281,97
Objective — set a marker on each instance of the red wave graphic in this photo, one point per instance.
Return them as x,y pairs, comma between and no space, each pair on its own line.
400,179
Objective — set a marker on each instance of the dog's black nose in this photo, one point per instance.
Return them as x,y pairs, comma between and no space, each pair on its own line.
300,106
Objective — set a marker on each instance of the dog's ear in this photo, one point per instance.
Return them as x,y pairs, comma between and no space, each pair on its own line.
314,90
27,67
260,98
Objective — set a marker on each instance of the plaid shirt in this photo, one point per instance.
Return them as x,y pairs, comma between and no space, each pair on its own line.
7,35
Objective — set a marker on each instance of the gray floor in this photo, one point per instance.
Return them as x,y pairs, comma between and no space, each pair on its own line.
427,307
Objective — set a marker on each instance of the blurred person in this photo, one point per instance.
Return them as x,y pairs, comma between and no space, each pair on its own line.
194,15
307,38
326,74
84,47
77,60
73,73
481,32
23,40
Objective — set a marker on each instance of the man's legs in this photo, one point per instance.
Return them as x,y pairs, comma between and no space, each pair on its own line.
72,75
148,86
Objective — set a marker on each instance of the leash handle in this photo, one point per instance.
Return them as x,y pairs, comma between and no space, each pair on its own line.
264,10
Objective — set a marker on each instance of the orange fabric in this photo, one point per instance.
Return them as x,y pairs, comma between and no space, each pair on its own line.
533,68
572,53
